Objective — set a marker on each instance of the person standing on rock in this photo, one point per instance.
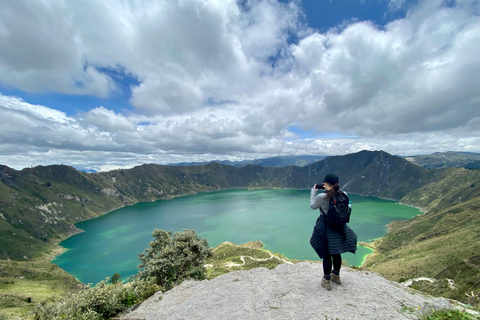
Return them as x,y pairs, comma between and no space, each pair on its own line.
330,242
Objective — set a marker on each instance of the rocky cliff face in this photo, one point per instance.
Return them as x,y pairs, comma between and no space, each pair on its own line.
289,292
375,173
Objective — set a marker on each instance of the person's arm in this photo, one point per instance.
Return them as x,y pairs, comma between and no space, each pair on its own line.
316,201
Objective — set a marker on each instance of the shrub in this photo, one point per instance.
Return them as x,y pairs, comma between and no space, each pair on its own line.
447,315
167,261
141,289
170,259
115,278
100,302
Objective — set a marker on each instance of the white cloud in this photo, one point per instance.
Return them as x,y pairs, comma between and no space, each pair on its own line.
16,106
41,50
416,75
108,121
218,79
103,139
217,50
183,53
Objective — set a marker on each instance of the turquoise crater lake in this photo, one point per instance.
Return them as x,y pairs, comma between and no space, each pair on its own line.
281,219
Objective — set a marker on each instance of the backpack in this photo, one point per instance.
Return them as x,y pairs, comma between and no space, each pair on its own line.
339,210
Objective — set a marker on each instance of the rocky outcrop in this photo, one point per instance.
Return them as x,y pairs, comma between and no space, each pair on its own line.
290,291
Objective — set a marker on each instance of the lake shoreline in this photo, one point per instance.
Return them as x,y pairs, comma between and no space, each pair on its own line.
60,250
296,199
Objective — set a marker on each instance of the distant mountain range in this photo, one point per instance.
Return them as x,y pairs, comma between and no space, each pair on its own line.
450,159
468,160
437,160
39,206
280,161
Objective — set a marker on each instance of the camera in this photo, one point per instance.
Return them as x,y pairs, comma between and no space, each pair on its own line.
319,186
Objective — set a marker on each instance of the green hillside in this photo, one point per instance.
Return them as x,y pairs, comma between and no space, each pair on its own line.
443,243
24,284
39,207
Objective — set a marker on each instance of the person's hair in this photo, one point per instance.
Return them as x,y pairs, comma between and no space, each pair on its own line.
330,193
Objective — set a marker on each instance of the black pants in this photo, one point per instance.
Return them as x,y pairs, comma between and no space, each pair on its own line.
335,259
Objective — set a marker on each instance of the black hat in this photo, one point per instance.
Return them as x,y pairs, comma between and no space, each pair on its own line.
331,179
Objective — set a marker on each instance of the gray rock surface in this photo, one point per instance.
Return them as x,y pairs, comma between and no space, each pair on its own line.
288,292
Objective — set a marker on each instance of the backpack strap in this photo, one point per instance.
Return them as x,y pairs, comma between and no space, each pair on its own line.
334,199
321,210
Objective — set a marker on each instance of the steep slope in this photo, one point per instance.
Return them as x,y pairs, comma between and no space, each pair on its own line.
40,205
453,186
443,243
376,173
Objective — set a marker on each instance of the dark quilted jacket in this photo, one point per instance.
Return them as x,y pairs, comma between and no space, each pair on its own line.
326,241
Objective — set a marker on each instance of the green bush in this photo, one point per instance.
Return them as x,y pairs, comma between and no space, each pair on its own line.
447,315
170,259
115,278
140,289
3,316
167,261
100,302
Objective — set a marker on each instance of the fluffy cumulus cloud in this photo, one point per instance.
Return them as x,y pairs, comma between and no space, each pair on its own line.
415,75
235,79
42,50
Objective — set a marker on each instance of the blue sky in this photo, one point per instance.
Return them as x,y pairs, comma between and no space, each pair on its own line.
112,84
323,15
72,104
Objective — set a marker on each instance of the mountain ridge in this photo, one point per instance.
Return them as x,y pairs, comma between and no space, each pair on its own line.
452,159
41,204
279,161
39,207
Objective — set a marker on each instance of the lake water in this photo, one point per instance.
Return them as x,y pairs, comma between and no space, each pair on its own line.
281,219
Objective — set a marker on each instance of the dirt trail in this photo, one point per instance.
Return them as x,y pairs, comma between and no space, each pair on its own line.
233,264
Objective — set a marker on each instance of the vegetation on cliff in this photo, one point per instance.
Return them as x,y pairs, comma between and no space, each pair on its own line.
39,206
166,262
443,243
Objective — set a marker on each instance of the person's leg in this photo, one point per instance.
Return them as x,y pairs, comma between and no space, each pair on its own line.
337,264
327,271
327,267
